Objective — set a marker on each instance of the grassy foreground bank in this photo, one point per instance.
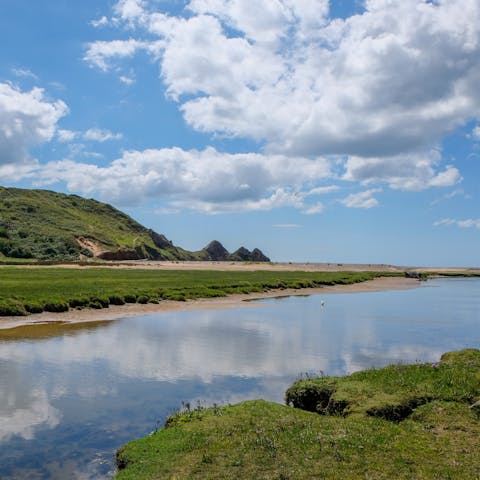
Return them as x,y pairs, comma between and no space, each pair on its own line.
34,290
400,422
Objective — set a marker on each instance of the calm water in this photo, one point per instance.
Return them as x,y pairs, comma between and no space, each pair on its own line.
69,398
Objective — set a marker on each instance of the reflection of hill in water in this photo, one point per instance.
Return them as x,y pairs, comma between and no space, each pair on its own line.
49,330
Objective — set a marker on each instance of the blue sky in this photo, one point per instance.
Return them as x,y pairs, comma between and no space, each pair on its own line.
341,131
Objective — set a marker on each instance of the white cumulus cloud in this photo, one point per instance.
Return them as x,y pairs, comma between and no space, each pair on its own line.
207,180
410,171
371,84
129,10
380,88
27,119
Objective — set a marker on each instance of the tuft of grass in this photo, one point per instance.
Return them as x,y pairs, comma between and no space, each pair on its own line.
130,298
116,300
56,306
263,440
79,302
143,299
11,307
95,305
33,307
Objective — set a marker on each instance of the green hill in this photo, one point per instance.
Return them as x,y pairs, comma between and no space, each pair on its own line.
45,225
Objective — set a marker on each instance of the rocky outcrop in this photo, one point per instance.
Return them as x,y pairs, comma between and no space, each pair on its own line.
215,251
160,240
242,255
258,256
245,255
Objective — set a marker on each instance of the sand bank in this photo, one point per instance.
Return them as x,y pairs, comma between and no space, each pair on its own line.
251,266
115,312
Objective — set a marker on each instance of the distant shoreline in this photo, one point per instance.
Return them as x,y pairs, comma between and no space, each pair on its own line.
251,266
115,312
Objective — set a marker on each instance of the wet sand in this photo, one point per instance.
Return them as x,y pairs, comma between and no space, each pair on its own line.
115,312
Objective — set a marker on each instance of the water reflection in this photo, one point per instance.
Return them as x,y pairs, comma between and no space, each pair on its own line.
24,410
70,400
47,330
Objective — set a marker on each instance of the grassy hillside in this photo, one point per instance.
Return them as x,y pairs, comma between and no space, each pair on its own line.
46,225
436,439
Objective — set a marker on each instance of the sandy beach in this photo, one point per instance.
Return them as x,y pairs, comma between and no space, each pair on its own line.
115,312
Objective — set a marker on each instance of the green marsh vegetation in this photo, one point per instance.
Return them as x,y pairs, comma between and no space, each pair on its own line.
366,432
33,290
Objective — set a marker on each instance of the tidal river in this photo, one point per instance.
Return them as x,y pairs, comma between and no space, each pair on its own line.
69,398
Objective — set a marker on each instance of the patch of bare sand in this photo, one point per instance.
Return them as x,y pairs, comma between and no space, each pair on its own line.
115,312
